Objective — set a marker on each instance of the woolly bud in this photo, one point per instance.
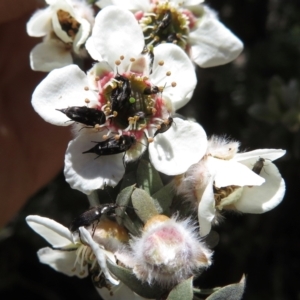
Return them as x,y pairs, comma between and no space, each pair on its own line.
222,148
168,251
110,235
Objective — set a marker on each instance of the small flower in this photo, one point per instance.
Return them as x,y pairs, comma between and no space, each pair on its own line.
65,26
189,24
69,257
168,252
224,179
135,99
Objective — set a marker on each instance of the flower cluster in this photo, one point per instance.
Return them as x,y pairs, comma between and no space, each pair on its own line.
124,107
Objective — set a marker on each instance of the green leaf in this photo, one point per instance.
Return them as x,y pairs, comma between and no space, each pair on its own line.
128,278
183,290
262,113
144,205
128,180
233,291
148,178
123,200
163,198
133,227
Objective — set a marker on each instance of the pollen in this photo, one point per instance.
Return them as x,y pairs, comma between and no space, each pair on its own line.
86,100
173,84
86,88
117,62
122,57
161,62
132,59
168,73
97,127
223,192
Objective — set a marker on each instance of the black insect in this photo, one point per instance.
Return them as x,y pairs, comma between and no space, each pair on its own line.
164,126
150,90
112,145
93,215
172,38
258,165
120,95
165,22
141,115
85,115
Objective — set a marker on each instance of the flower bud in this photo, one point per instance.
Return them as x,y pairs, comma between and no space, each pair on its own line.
110,235
168,251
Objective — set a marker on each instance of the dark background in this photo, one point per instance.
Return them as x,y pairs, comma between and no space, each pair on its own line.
255,100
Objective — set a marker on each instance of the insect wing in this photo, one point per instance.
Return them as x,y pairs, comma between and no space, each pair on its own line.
85,219
121,94
92,215
85,115
258,165
112,146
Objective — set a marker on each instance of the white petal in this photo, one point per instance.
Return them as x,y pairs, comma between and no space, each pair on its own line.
212,44
52,2
206,209
103,3
133,5
40,23
229,172
90,47
54,233
182,73
82,35
136,150
116,32
67,7
175,150
260,199
268,154
187,2
86,172
99,253
191,2
119,292
61,88
49,55
62,261
100,70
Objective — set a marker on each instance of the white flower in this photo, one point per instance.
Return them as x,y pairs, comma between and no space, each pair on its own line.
134,98
167,252
225,179
65,24
69,257
189,24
